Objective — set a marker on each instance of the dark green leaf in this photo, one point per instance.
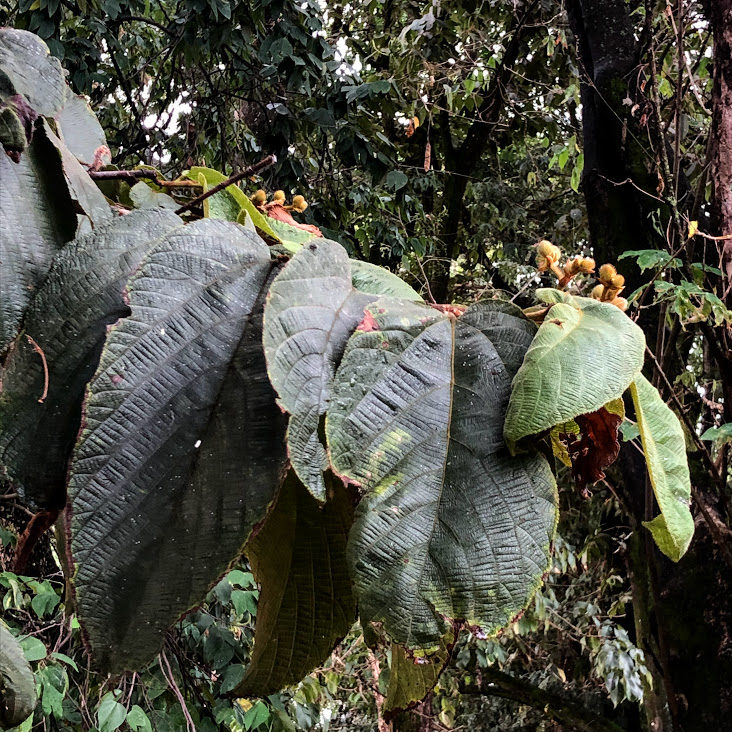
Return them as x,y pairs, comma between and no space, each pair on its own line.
416,419
182,448
86,196
232,678
27,68
36,218
68,319
306,605
311,311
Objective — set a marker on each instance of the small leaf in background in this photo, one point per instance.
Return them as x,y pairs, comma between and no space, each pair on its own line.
396,180
241,579
65,659
629,430
138,720
33,649
244,602
652,259
257,715
17,685
232,677
693,228
579,165
111,713
718,434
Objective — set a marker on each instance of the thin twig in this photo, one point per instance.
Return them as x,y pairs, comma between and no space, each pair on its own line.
251,170
39,351
168,675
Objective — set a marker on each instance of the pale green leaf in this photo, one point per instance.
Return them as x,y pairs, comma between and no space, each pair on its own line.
585,354
110,714
665,449
213,178
375,280
138,720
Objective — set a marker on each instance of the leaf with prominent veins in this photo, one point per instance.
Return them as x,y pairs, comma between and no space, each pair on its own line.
665,449
68,319
585,354
451,527
182,449
311,311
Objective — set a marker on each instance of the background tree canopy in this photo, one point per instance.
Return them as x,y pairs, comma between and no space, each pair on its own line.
443,140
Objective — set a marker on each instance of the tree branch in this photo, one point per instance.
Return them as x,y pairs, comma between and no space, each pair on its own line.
498,683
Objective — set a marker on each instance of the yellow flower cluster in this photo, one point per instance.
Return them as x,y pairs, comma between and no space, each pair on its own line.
611,283
259,199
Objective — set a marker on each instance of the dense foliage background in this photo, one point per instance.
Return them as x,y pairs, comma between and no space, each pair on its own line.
598,124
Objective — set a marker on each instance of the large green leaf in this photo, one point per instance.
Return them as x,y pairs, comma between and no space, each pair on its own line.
451,527
213,178
17,685
665,449
37,216
27,68
306,605
68,319
585,354
182,448
311,312
376,280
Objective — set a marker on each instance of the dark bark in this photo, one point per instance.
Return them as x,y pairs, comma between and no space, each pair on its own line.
720,16
608,61
682,612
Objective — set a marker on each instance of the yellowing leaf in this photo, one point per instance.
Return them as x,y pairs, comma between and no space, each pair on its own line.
693,228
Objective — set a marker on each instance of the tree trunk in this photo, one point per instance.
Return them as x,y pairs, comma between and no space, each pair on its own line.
720,16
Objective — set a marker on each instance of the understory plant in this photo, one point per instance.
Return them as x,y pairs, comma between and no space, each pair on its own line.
189,377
